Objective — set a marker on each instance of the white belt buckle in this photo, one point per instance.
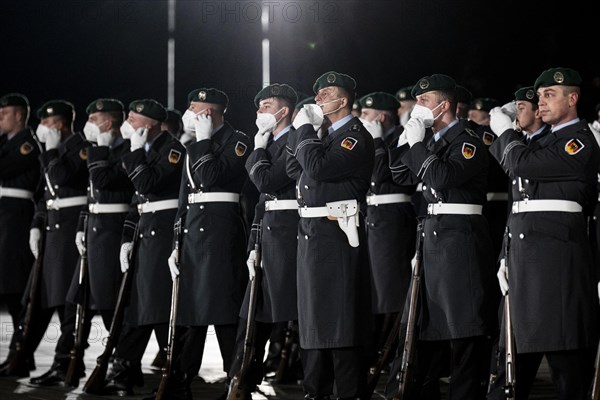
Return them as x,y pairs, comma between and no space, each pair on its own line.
93,207
267,205
50,204
430,208
140,208
190,198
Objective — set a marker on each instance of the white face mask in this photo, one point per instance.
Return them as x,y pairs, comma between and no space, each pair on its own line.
42,132
596,125
91,131
266,122
315,109
127,130
425,114
330,101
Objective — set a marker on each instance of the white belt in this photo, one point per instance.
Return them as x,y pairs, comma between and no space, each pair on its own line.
497,196
15,193
377,199
57,204
276,205
545,205
454,208
152,206
107,208
313,212
213,197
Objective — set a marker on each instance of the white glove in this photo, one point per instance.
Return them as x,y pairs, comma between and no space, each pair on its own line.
309,115
105,139
402,140
599,290
173,265
52,139
261,140
503,277
186,138
34,241
510,109
499,122
124,255
415,131
203,126
79,242
413,262
251,264
374,128
139,138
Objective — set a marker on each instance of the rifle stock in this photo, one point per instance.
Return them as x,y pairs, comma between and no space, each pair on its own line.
166,370
384,355
18,361
509,388
238,383
76,354
408,353
285,353
95,383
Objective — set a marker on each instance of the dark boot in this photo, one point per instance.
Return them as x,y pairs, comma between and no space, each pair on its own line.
122,377
17,367
178,388
55,376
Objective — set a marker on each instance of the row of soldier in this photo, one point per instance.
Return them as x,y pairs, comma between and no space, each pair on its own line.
338,206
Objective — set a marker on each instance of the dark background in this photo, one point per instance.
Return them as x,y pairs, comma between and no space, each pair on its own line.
82,50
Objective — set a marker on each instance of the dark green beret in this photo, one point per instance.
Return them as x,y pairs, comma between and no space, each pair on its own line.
307,100
379,101
484,104
104,105
173,115
558,76
149,108
276,90
56,107
404,93
333,78
208,95
14,99
526,94
463,95
433,82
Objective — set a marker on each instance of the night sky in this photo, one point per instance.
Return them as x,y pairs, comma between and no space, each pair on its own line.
83,50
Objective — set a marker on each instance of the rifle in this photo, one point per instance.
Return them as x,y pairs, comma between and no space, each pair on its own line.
509,388
286,350
18,361
383,357
238,383
408,353
596,384
95,383
166,370
76,354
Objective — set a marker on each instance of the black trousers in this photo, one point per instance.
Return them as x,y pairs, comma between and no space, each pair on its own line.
14,306
134,340
466,360
189,348
262,333
344,369
572,373
38,330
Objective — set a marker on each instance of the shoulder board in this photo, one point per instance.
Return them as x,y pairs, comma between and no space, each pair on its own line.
471,132
240,133
355,128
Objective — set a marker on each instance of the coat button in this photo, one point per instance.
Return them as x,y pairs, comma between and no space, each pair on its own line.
268,228
57,226
153,233
187,207
201,229
94,229
510,235
434,233
424,187
185,231
306,187
372,183
526,180
306,237
521,236
202,206
141,235
47,228
514,181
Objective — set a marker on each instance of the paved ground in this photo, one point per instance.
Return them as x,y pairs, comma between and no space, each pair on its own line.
208,386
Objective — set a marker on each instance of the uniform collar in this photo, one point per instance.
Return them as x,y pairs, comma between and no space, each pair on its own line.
282,132
559,127
338,124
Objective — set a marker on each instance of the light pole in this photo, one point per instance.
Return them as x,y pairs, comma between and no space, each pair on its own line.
266,50
171,57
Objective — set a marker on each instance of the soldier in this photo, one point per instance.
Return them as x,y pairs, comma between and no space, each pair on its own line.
551,271
278,211
154,164
212,278
19,175
65,177
463,100
528,118
479,110
456,310
391,220
332,176
301,103
173,124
